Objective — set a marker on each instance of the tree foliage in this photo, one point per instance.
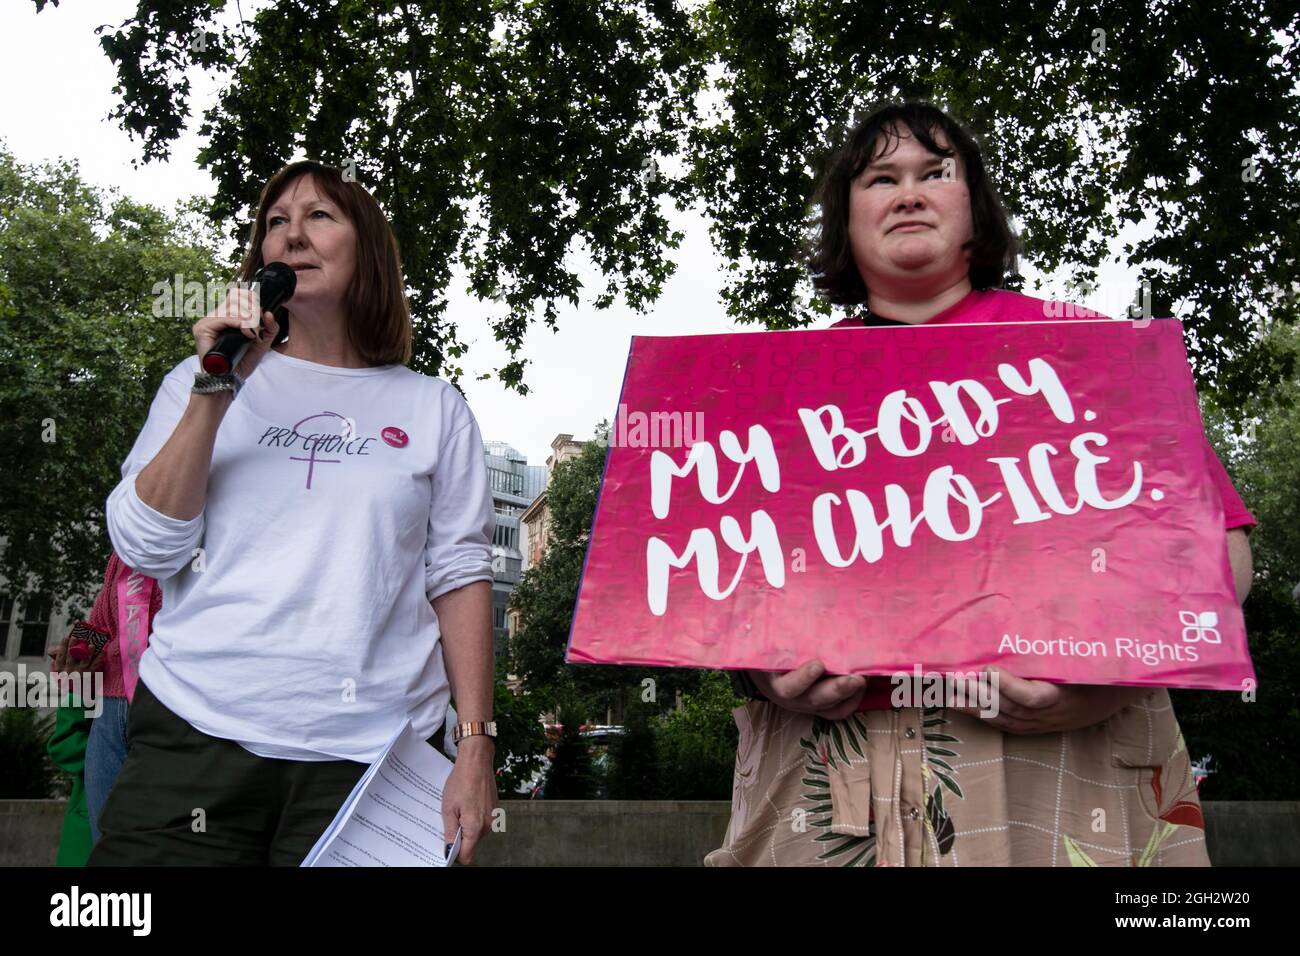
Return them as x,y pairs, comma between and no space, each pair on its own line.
521,741
503,138
29,772
81,354
572,774
685,754
547,592
499,136
1248,736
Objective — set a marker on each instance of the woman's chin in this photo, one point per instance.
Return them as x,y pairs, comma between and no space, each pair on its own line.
913,268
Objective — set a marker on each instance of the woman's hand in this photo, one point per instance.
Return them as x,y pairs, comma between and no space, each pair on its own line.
237,311
1040,707
808,691
58,654
470,795
62,663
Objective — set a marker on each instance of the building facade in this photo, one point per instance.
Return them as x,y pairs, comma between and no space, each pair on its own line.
535,520
31,623
515,485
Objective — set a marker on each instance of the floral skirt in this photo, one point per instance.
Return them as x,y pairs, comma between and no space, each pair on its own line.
936,787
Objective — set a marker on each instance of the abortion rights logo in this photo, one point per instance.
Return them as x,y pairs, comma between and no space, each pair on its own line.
1200,627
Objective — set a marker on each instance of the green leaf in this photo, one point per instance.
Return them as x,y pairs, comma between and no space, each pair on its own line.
839,743
867,852
951,785
1076,854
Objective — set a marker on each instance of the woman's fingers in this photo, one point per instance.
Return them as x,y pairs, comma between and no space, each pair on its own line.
450,824
237,310
807,689
795,684
1032,694
849,706
1006,708
1013,725
834,691
270,327
471,830
237,305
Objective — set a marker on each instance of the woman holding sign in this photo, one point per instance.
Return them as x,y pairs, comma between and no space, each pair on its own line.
913,231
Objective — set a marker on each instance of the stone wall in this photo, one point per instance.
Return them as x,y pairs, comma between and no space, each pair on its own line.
669,833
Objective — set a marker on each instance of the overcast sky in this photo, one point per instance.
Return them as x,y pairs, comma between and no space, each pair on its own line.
58,92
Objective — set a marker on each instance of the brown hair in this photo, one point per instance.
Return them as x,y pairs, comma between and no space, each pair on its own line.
379,320
992,246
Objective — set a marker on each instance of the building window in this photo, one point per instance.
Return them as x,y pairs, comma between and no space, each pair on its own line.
507,482
36,625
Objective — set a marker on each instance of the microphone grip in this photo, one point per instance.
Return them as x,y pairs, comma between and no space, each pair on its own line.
225,355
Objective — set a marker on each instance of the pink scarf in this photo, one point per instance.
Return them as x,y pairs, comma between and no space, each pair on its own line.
134,601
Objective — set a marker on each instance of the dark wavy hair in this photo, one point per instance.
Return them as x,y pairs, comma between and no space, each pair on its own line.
993,246
379,319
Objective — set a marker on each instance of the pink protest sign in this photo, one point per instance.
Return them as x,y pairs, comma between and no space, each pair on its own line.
1032,495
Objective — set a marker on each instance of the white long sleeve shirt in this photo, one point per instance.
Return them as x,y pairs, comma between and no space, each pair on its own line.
296,616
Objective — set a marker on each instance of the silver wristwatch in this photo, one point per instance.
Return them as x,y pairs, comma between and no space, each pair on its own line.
205,384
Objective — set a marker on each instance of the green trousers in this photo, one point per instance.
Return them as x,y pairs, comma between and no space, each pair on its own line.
185,798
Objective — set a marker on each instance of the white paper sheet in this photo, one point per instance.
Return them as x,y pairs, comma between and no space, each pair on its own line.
393,817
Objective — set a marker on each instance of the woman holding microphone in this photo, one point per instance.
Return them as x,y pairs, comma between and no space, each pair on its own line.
320,523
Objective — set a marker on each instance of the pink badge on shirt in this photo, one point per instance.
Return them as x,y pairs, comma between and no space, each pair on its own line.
394,436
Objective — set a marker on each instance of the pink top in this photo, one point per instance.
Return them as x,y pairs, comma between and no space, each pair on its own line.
999,305
103,618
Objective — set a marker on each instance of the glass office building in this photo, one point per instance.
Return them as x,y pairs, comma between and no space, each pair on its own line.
515,485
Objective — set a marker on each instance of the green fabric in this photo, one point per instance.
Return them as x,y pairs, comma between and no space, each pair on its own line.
67,748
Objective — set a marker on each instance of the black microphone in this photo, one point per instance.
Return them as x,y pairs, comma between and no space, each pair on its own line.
277,282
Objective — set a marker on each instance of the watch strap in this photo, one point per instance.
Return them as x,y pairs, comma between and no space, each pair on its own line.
205,384
474,728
